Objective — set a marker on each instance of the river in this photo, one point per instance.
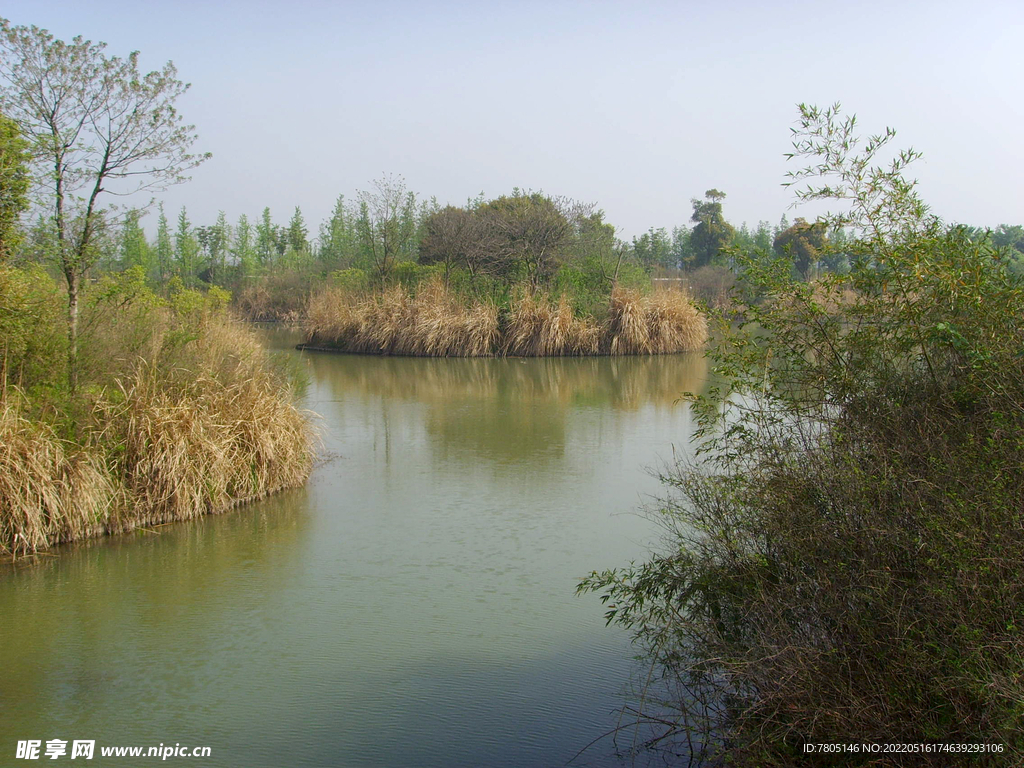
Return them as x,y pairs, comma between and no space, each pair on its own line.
412,606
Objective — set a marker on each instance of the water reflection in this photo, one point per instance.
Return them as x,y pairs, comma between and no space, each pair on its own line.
413,605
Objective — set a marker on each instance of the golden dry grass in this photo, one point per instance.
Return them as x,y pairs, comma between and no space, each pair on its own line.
436,322
539,328
49,491
174,439
662,323
185,454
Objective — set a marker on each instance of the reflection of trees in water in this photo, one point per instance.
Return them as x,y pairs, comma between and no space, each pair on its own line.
69,614
512,410
620,382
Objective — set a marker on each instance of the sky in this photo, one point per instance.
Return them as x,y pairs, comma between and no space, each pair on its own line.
635,106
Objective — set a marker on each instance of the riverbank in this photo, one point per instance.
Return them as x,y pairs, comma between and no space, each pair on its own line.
180,413
434,321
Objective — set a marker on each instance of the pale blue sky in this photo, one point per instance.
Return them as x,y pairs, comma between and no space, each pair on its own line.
635,106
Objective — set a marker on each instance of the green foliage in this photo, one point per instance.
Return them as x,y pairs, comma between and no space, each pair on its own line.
353,280
804,243
528,236
711,233
387,225
14,178
845,553
33,347
96,125
654,249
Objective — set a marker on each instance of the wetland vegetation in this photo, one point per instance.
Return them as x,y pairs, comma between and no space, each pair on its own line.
842,555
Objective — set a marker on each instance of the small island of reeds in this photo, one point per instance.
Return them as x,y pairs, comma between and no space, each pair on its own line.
523,275
433,320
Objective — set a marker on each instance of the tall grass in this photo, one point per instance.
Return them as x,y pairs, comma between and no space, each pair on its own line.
537,327
435,321
179,455
189,418
432,322
49,491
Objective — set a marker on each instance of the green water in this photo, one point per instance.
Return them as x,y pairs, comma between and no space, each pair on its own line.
413,605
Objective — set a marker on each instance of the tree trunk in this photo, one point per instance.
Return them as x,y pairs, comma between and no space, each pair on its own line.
73,280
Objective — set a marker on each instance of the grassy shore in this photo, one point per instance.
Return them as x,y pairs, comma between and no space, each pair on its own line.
434,321
181,414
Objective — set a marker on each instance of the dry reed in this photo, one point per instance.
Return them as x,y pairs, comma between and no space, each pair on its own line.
436,322
50,491
538,328
197,433
662,323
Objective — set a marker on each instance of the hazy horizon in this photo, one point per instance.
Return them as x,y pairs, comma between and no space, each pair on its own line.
636,108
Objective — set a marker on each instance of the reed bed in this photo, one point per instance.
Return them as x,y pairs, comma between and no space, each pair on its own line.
539,328
436,322
201,426
50,491
433,322
662,323
180,455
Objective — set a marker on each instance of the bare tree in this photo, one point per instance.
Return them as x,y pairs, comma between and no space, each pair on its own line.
97,125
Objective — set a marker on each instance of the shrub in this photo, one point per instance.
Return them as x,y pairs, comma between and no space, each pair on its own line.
845,556
33,339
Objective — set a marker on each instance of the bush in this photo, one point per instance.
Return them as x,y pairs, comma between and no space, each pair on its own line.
846,553
32,328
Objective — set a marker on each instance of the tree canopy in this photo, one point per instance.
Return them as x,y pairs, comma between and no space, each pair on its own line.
96,125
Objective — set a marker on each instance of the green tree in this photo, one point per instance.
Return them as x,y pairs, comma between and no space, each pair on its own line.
243,249
337,236
530,235
387,224
14,179
711,232
266,239
451,237
297,233
164,246
654,249
1007,236
213,243
186,248
133,249
96,125
804,243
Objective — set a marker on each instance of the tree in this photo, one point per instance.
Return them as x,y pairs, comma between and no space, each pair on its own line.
242,249
387,224
802,242
96,125
14,160
337,236
164,246
133,249
845,557
530,233
186,248
451,237
213,244
654,249
711,232
297,233
266,238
